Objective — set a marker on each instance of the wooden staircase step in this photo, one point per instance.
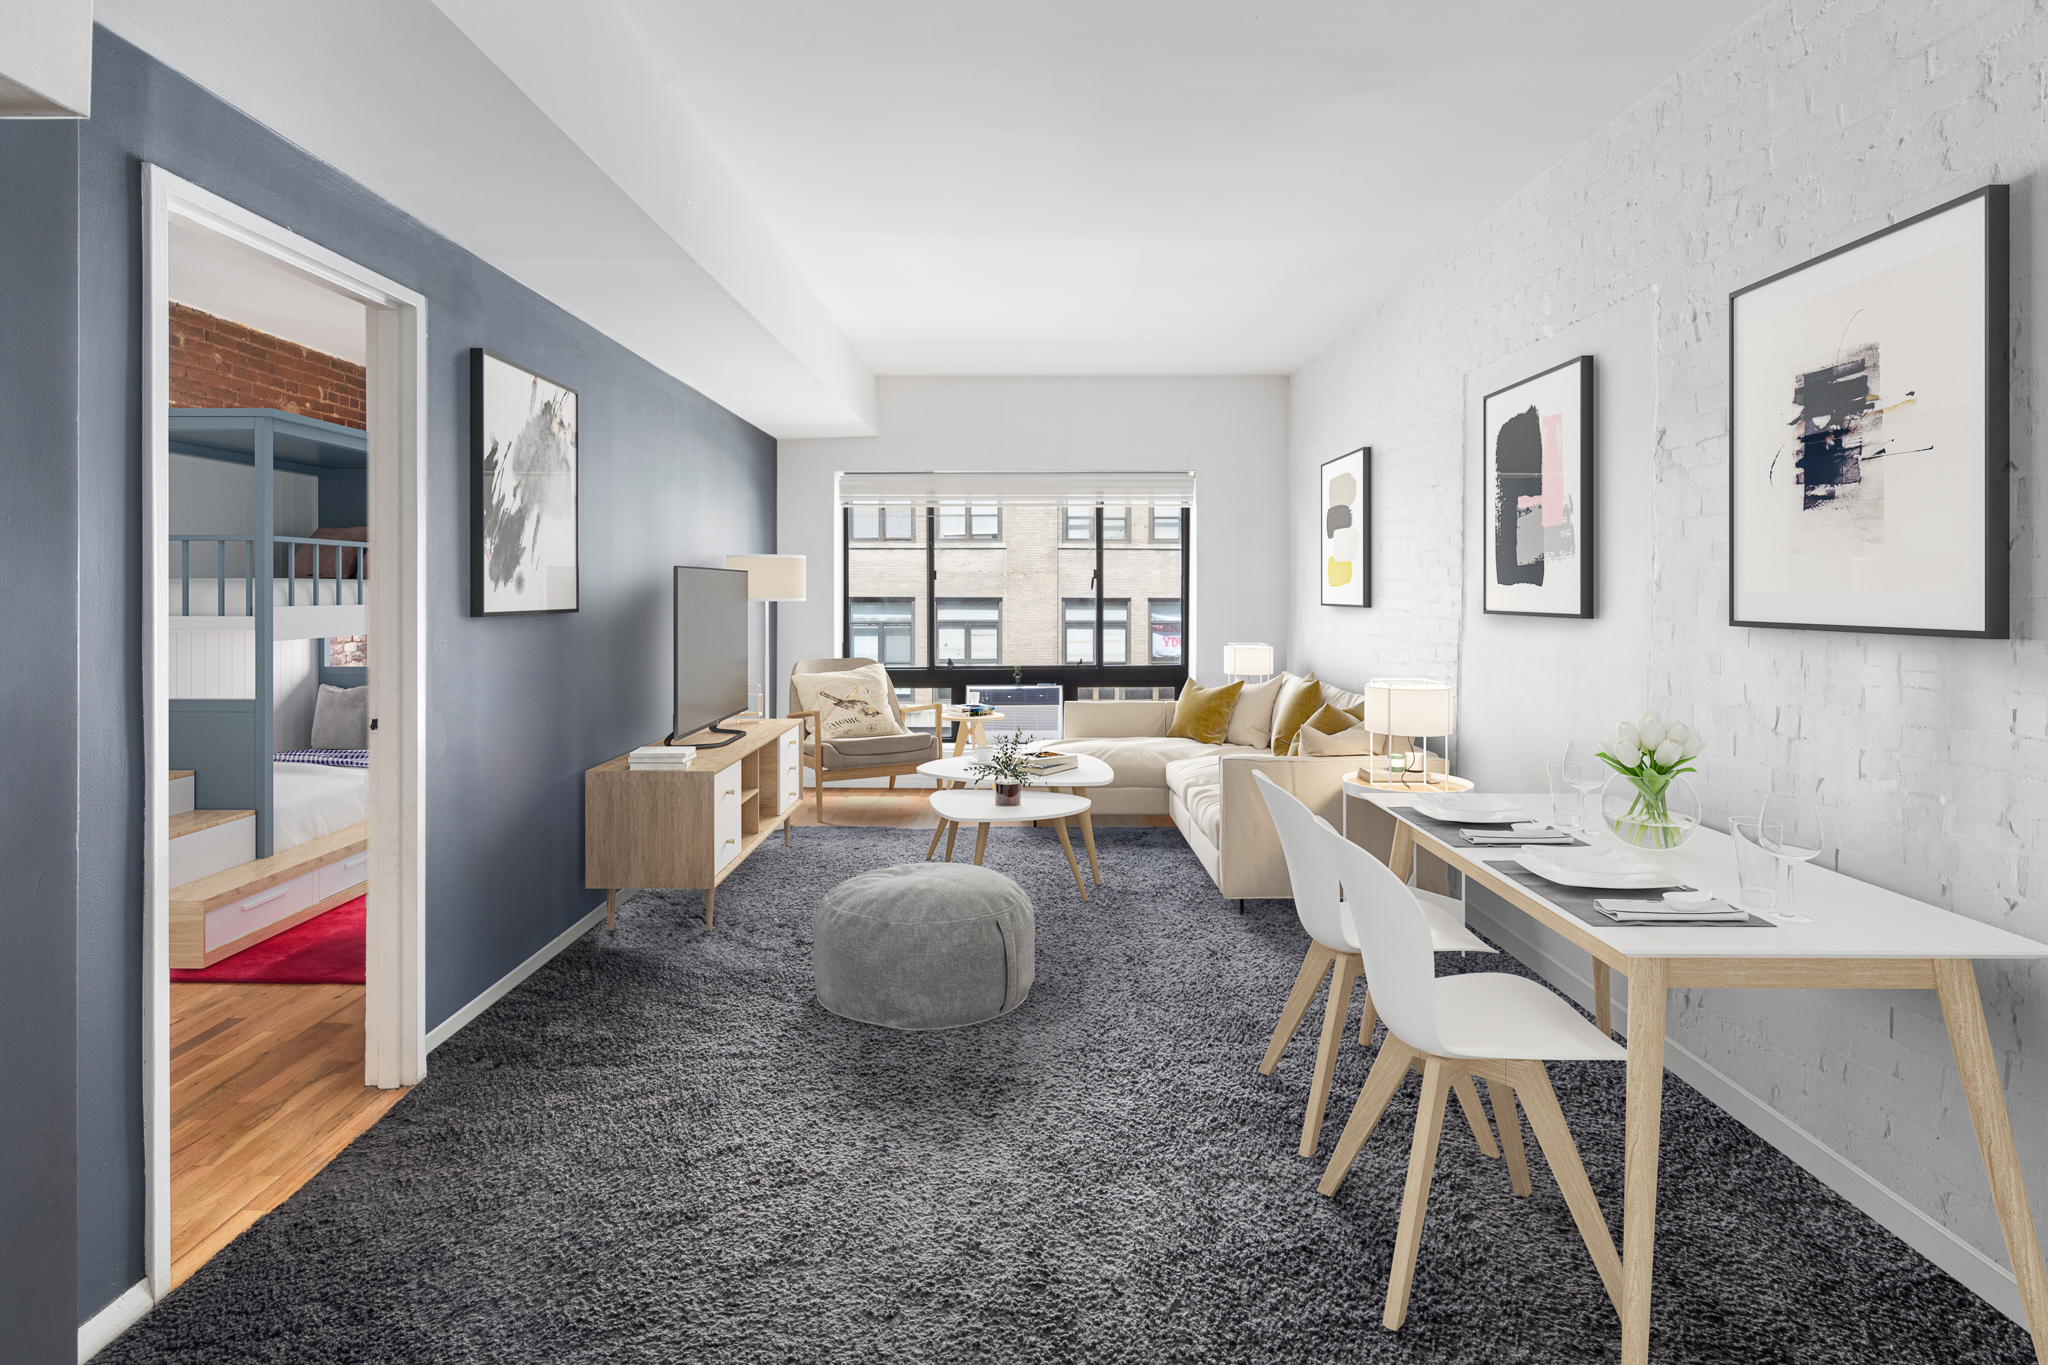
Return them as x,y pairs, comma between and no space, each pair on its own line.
192,821
226,887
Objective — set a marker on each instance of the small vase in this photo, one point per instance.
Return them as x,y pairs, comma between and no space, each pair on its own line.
1009,793
1650,813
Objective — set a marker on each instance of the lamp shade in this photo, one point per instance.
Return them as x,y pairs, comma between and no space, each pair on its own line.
1248,659
1408,706
771,578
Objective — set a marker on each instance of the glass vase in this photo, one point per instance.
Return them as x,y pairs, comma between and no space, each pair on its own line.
1650,812
1009,793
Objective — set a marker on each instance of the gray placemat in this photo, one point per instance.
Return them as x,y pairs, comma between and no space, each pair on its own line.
1447,830
1578,901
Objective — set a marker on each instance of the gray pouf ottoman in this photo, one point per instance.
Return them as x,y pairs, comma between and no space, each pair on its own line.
924,946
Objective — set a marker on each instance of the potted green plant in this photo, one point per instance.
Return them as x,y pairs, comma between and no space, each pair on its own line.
1002,764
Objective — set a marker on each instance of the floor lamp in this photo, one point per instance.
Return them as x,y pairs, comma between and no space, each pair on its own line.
770,578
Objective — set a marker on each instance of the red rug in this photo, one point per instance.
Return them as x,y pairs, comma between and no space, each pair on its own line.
327,950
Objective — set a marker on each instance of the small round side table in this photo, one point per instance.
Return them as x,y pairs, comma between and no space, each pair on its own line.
974,806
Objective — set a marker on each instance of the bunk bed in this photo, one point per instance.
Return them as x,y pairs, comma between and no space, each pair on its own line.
276,587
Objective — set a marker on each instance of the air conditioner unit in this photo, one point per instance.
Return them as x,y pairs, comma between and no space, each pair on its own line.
1035,708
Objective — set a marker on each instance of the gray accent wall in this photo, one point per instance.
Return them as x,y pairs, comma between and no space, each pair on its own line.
517,707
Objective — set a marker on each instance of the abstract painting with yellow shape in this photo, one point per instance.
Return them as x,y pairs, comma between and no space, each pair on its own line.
1347,530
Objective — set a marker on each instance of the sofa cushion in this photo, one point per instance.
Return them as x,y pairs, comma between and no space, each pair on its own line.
1197,783
1139,761
1203,713
1314,743
1299,700
1251,720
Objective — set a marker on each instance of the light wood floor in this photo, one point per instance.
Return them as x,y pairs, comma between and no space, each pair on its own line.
266,1089
910,809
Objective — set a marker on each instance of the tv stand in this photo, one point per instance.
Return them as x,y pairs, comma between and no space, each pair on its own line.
737,736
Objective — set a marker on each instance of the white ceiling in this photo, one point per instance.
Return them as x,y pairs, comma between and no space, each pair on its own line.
774,200
217,275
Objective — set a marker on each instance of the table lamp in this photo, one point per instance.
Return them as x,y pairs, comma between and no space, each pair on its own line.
1417,708
1247,661
770,578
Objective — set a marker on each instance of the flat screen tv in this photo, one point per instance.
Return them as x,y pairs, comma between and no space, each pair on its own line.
711,652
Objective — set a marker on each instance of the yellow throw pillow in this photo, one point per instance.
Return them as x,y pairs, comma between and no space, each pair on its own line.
1204,712
1300,701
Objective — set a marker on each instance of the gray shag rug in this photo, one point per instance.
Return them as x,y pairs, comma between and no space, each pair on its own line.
660,1148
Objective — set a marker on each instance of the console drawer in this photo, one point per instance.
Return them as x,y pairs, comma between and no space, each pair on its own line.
725,833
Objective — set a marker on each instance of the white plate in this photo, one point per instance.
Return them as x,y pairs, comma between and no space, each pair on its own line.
1466,808
1595,870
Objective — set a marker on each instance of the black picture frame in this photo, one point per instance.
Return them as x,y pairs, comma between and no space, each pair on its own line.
1868,611
483,489
1569,387
1357,521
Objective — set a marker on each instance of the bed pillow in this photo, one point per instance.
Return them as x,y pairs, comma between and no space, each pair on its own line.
851,704
341,718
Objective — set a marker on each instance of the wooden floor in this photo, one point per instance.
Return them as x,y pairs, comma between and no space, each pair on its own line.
910,809
266,1089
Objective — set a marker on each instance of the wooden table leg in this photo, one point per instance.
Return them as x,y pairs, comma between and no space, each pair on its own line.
959,737
611,908
1401,857
1088,838
980,844
1963,1011
1068,844
708,892
1603,996
937,830
1646,1000
952,830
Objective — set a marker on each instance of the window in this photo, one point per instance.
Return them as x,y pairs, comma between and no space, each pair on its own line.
1165,630
970,630
882,629
1079,614
959,521
1166,523
1116,523
882,523
1080,523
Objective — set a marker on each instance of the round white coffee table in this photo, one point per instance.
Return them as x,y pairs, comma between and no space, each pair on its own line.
973,806
1092,772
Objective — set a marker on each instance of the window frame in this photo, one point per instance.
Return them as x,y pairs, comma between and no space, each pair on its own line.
882,631
1157,539
970,512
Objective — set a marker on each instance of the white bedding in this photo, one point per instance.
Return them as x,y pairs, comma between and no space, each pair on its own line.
314,799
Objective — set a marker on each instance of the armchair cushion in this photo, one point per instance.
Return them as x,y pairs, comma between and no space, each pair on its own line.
879,751
851,703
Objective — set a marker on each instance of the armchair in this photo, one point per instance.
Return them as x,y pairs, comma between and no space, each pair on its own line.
890,756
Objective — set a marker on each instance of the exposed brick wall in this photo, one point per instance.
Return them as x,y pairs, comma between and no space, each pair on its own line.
216,363
1809,125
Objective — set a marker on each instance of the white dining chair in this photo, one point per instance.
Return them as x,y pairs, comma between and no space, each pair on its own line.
1333,954
1497,1027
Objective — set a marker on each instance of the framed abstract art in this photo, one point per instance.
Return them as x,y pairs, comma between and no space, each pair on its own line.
1536,468
1867,432
1345,557
523,491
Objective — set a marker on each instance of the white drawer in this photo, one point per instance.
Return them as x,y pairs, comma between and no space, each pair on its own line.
792,786
253,912
346,873
789,763
725,834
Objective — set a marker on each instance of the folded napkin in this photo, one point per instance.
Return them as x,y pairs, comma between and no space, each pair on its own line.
1520,834
1659,912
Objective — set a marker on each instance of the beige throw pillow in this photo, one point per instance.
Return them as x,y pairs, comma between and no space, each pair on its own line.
1251,722
1310,742
850,705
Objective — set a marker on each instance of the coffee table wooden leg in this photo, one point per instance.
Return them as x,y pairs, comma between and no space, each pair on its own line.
1603,996
1963,1011
980,844
937,830
1067,844
952,830
959,737
1088,838
1646,1000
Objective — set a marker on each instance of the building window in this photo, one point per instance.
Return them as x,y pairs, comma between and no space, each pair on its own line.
1166,523
1165,630
960,521
1116,523
1080,524
1078,614
882,629
970,630
883,523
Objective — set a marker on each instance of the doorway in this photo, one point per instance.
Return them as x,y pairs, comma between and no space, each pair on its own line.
273,1045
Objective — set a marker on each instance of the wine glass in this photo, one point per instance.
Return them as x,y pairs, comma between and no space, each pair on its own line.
1797,835
1582,757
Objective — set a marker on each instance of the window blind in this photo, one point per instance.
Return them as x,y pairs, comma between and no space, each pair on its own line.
1084,488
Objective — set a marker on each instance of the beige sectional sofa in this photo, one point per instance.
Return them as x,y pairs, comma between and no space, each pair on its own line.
1207,788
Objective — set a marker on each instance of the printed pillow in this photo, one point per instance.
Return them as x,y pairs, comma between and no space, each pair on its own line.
1203,713
850,705
1302,698
1251,721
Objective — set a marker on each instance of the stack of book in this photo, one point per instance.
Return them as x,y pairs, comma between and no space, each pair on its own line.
662,758
1045,763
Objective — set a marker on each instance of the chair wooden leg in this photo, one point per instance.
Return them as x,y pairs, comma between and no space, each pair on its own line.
1468,1100
1068,845
1502,1097
1368,1015
1429,1126
1336,1013
892,782
1389,1069
937,830
1315,965
1539,1102
818,793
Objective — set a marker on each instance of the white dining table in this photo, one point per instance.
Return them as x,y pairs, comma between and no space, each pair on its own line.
1844,935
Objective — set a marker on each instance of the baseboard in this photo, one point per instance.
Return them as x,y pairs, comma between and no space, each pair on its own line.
461,1019
1983,1276
97,1332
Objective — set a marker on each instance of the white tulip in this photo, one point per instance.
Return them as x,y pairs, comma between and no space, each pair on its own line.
1648,718
1668,753
1653,734
1628,755
1695,746
1679,731
1625,736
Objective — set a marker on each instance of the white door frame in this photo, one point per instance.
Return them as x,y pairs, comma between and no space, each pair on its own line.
395,998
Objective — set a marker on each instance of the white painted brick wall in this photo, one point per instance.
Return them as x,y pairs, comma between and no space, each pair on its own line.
1812,124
